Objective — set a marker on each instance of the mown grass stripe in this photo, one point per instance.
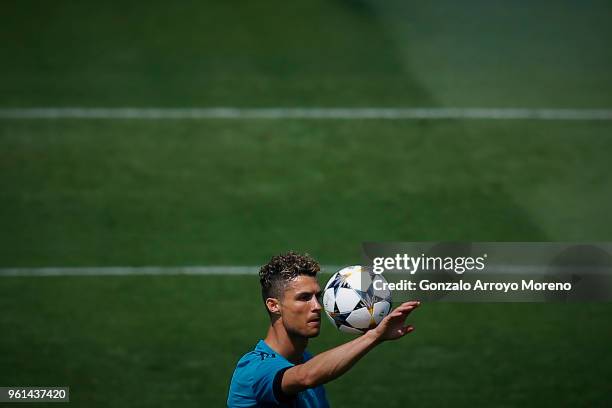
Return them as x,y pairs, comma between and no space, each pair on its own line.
308,113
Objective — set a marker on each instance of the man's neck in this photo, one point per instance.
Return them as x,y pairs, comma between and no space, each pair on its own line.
288,346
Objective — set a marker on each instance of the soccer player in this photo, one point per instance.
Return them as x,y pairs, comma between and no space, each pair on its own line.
279,372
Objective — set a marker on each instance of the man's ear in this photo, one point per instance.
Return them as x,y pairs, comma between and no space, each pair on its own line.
273,305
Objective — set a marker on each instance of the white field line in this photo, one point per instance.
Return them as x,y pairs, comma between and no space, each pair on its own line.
219,270
129,270
139,270
307,113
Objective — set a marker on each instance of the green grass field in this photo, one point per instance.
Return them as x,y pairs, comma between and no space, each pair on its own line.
160,341
235,192
185,193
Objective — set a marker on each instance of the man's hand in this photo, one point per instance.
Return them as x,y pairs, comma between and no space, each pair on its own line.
392,326
333,363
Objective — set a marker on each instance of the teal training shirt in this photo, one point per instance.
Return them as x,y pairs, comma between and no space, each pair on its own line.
256,382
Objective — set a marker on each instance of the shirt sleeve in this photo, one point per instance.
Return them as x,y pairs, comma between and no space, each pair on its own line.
267,378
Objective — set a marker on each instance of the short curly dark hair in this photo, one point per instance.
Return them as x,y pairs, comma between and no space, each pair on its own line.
283,268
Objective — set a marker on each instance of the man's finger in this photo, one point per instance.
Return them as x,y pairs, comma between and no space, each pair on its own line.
414,303
403,308
395,314
408,306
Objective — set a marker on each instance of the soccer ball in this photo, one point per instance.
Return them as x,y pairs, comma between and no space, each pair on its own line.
352,304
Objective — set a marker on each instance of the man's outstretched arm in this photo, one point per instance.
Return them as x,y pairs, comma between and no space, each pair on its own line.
333,363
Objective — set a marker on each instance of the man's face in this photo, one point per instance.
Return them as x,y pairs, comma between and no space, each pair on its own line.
300,307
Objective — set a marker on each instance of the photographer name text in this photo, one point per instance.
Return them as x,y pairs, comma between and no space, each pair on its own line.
478,285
